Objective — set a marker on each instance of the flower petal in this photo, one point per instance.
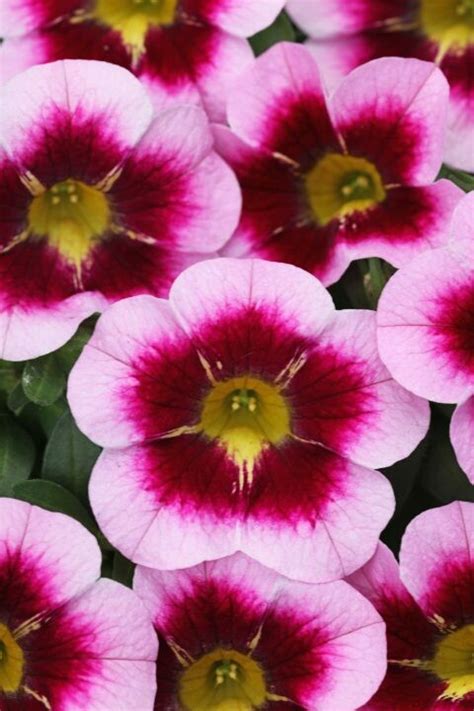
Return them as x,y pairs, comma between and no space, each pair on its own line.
345,399
176,503
192,63
409,221
312,647
239,17
19,17
424,319
39,569
136,344
393,111
96,655
457,67
278,103
410,636
334,17
286,293
436,561
271,226
87,109
174,189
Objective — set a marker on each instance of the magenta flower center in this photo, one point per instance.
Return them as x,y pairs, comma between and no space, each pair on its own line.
339,185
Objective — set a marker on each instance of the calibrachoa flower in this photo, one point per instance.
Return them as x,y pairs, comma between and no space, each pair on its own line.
326,182
347,33
426,328
99,198
68,641
186,48
249,410
235,636
428,607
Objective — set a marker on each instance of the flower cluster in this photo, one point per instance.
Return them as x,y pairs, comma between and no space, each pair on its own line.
237,355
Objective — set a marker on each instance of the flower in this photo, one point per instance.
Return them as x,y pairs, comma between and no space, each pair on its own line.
347,33
99,199
428,607
235,636
241,415
426,328
63,645
326,182
186,49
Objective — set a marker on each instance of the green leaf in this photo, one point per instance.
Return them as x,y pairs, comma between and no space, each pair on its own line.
280,31
17,399
10,374
44,380
463,180
442,476
123,570
70,352
69,457
17,454
53,497
44,418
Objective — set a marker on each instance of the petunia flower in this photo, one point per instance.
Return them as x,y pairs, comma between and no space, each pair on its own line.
243,414
235,636
328,181
190,49
428,606
347,33
100,199
426,328
68,641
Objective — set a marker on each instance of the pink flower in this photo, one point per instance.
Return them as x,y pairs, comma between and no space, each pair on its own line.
426,328
428,607
347,33
328,181
68,641
243,414
236,636
99,199
190,49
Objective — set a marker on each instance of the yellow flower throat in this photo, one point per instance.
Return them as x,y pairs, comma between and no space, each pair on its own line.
340,185
246,415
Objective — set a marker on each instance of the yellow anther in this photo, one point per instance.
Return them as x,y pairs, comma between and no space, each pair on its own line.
55,199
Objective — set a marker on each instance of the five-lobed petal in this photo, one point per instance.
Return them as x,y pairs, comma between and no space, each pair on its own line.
292,645
101,197
428,608
289,481
426,327
347,33
63,646
329,180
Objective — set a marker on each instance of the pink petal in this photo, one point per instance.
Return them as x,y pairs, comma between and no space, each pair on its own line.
313,643
278,103
424,319
72,97
436,561
238,17
393,111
